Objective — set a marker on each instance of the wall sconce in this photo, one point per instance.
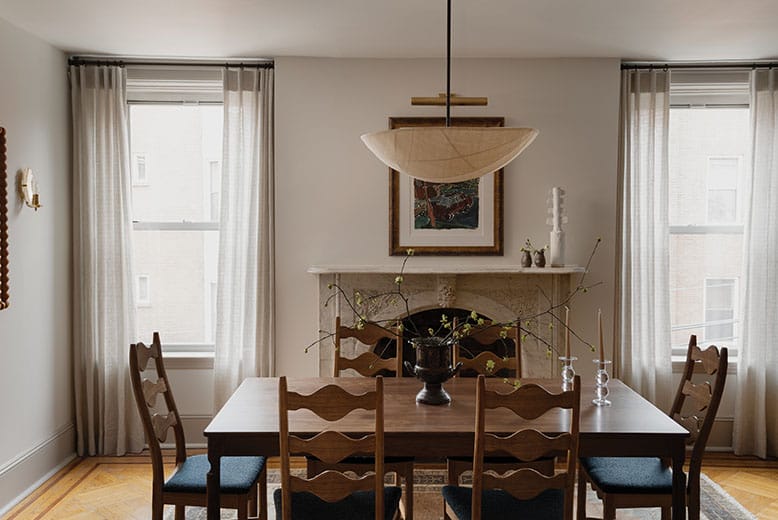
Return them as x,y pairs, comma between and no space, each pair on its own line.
28,189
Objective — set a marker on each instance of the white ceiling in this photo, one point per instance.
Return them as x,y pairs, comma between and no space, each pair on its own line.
630,29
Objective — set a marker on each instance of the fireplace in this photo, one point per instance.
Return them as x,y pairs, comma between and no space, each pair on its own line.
496,293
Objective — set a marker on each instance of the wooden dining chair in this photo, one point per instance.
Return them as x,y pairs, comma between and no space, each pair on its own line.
370,364
635,482
491,350
524,492
241,477
333,494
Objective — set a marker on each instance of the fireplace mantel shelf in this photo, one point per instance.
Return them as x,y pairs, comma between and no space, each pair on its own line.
459,269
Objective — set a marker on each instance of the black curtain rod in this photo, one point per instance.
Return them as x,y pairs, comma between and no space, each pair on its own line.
76,60
718,65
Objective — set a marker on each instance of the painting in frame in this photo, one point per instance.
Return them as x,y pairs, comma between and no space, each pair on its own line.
462,218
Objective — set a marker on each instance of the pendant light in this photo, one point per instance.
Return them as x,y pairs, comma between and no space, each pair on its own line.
448,154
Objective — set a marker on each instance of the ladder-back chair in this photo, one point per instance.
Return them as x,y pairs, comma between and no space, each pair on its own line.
634,482
241,477
333,494
524,492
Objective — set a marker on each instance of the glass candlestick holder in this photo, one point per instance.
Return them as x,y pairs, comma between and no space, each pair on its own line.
601,383
568,372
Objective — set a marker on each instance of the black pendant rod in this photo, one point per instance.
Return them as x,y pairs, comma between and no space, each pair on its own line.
448,64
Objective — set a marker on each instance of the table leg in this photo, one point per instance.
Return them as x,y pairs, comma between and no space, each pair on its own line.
212,482
679,481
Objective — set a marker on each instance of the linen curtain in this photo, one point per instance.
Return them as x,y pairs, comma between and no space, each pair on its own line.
756,415
245,280
107,422
643,289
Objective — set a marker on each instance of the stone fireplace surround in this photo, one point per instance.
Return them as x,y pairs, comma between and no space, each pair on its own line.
501,293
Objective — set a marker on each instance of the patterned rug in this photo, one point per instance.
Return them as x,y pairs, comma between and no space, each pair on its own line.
716,504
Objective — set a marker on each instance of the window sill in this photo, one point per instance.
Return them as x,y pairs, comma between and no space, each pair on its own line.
188,360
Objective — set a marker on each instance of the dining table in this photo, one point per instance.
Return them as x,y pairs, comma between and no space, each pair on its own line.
248,424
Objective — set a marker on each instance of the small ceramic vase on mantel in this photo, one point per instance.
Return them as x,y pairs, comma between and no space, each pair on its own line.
540,258
526,258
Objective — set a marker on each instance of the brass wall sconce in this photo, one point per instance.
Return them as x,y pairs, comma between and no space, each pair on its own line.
28,189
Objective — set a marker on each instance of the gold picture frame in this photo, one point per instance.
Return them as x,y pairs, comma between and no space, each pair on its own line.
446,219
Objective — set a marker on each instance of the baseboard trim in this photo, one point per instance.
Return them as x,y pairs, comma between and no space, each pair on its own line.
29,470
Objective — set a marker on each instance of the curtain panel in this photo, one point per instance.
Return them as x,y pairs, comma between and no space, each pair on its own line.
107,422
756,415
245,313
644,358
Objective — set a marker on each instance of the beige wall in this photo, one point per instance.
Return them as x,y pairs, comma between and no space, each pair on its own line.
332,194
35,348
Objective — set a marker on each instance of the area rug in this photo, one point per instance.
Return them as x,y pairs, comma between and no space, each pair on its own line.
716,504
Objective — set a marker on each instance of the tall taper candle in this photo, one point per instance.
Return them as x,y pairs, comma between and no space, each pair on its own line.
602,344
567,331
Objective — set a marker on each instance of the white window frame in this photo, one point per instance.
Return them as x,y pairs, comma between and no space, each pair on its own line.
698,90
190,86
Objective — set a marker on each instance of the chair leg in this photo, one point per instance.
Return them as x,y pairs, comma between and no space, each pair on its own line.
581,515
608,508
157,507
243,508
263,494
408,492
253,501
693,498
666,513
180,512
452,480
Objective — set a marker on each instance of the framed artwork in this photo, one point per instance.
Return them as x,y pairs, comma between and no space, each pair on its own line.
461,218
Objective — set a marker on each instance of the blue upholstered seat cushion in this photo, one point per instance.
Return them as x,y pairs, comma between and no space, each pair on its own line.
237,474
500,505
634,475
360,505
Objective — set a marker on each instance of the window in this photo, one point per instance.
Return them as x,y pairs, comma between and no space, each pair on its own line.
709,128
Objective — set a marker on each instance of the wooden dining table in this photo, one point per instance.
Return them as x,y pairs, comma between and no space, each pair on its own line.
248,424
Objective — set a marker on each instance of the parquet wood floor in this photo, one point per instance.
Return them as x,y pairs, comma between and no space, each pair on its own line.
118,488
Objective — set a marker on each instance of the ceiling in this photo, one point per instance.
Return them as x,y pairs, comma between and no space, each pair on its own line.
630,29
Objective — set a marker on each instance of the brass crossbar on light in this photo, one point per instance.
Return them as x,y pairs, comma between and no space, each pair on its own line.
448,154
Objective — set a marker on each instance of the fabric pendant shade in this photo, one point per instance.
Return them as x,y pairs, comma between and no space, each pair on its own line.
448,154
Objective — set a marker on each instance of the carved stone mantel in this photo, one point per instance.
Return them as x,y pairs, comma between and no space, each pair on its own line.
499,292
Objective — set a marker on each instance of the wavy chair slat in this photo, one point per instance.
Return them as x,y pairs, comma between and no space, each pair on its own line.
525,483
709,358
370,334
529,401
152,389
481,362
332,486
527,445
702,394
331,402
331,447
368,364
143,353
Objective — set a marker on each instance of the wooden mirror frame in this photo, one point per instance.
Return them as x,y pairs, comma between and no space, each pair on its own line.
4,303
